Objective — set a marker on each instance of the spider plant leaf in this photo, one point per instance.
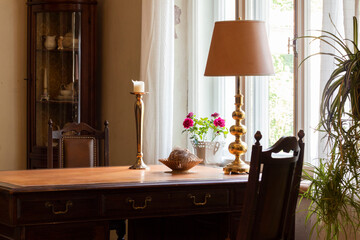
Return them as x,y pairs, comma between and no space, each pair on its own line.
334,25
355,31
327,95
339,41
354,45
315,54
322,38
339,61
335,39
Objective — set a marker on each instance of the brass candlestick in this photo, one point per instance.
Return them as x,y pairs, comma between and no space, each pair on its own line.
139,119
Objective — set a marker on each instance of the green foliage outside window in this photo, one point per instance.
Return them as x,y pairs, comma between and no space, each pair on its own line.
283,5
281,93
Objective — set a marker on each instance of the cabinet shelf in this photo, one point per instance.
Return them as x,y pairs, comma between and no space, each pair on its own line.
65,50
56,101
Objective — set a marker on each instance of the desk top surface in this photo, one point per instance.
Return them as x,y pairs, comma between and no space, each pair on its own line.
70,178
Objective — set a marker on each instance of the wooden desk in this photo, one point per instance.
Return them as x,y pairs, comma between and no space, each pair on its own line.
80,203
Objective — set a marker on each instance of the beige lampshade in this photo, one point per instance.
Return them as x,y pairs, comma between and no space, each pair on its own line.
239,48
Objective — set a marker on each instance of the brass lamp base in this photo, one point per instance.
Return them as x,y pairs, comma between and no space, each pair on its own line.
238,147
236,168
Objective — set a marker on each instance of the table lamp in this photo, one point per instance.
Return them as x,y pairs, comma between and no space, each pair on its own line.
239,48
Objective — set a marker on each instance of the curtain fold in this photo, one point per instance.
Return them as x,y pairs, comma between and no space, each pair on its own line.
157,71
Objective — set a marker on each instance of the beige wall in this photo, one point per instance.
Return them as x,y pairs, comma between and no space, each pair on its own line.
119,31
12,84
119,40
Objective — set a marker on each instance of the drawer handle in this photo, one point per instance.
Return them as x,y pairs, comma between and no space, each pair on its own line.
132,201
207,195
52,206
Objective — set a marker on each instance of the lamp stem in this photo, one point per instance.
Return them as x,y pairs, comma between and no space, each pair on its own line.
237,10
240,10
237,85
238,147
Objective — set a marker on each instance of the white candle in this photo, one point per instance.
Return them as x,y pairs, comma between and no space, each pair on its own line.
139,86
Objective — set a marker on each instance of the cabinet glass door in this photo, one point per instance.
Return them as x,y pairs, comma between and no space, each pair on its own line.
57,71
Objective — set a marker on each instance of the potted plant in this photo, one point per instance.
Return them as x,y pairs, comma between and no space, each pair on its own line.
204,134
334,182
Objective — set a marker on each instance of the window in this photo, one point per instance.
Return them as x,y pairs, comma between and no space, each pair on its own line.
276,105
272,97
312,20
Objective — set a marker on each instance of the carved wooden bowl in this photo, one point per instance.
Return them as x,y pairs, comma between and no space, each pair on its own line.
181,160
180,165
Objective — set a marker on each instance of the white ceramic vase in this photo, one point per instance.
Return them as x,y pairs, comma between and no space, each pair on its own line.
210,152
50,42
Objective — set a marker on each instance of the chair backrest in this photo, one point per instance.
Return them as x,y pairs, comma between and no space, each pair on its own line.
78,145
270,203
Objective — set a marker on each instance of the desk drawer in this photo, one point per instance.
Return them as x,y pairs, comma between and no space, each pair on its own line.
125,204
165,202
57,207
201,198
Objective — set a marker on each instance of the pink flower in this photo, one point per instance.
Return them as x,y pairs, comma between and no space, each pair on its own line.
188,122
215,115
190,115
219,122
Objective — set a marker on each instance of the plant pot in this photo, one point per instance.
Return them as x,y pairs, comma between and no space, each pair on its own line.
210,152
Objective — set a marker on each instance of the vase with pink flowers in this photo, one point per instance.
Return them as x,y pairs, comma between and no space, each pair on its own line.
206,135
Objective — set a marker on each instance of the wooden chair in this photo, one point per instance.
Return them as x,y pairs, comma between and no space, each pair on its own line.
270,203
78,145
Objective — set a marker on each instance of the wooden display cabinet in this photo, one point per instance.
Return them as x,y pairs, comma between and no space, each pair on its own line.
60,70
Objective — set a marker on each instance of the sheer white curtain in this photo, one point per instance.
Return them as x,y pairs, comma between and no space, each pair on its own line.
341,13
157,71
